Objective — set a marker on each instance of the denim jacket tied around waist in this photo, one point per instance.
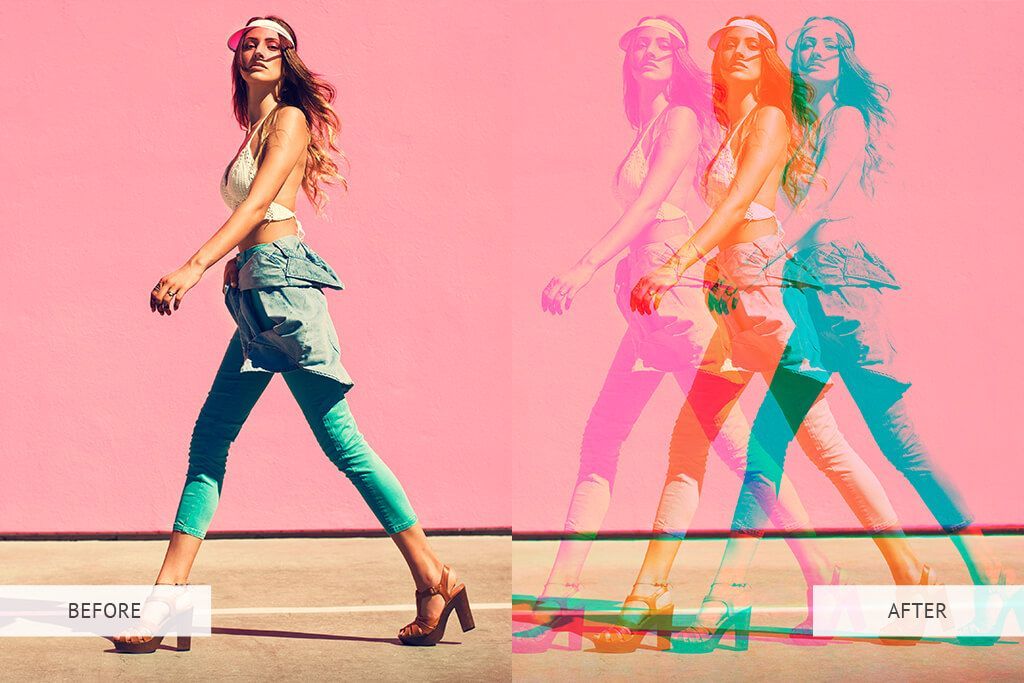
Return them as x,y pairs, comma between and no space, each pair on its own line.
281,310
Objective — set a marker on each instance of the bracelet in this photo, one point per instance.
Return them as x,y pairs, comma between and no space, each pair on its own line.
676,263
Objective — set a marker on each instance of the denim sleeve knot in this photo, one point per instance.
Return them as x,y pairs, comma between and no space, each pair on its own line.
835,264
281,311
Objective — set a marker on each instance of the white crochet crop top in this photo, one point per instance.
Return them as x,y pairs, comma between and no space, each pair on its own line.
237,181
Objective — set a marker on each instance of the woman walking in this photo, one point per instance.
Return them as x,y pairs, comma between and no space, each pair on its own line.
274,292
765,328
666,98
845,281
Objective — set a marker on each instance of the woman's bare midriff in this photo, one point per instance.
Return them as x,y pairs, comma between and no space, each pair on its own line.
268,231
750,231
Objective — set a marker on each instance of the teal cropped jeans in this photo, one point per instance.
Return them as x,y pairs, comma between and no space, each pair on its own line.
322,400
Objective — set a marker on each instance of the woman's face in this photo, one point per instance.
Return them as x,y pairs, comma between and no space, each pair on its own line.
651,55
259,56
818,52
739,55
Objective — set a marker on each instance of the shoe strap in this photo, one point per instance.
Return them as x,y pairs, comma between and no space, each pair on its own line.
662,587
730,609
1001,581
441,587
927,578
176,600
575,586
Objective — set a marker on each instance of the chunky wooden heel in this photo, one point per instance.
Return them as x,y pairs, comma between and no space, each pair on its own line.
702,639
463,611
983,623
184,643
741,631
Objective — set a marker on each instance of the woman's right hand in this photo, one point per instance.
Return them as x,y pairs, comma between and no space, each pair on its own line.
231,273
646,295
558,295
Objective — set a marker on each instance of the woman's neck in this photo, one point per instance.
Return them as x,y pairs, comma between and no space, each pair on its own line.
652,103
739,103
260,104
824,98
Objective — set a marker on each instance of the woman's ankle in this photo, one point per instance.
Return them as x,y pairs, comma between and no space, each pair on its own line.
171,578
429,574
561,585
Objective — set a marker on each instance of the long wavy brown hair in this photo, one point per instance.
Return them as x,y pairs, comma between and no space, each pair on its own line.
774,88
308,91
856,87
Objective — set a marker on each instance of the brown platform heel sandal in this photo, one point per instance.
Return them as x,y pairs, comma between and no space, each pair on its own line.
423,632
627,630
177,620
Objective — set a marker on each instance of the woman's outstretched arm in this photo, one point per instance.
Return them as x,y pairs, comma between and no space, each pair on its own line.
759,154
285,144
672,152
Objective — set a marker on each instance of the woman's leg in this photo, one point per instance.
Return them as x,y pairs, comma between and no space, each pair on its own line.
227,406
622,399
853,325
793,400
708,403
885,412
322,401
789,514
832,454
789,397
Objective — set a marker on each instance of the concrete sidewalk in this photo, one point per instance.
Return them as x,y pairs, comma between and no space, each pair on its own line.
275,573
779,595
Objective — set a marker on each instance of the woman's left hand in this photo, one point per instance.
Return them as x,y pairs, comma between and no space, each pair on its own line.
646,295
173,287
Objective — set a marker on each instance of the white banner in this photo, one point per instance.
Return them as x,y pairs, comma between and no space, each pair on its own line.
104,610
925,611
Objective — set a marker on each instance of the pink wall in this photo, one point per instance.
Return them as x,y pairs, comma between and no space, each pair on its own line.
483,137
117,125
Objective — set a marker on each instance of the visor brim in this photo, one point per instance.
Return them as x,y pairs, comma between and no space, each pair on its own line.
235,38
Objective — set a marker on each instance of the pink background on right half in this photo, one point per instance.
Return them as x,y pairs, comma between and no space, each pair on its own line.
952,234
